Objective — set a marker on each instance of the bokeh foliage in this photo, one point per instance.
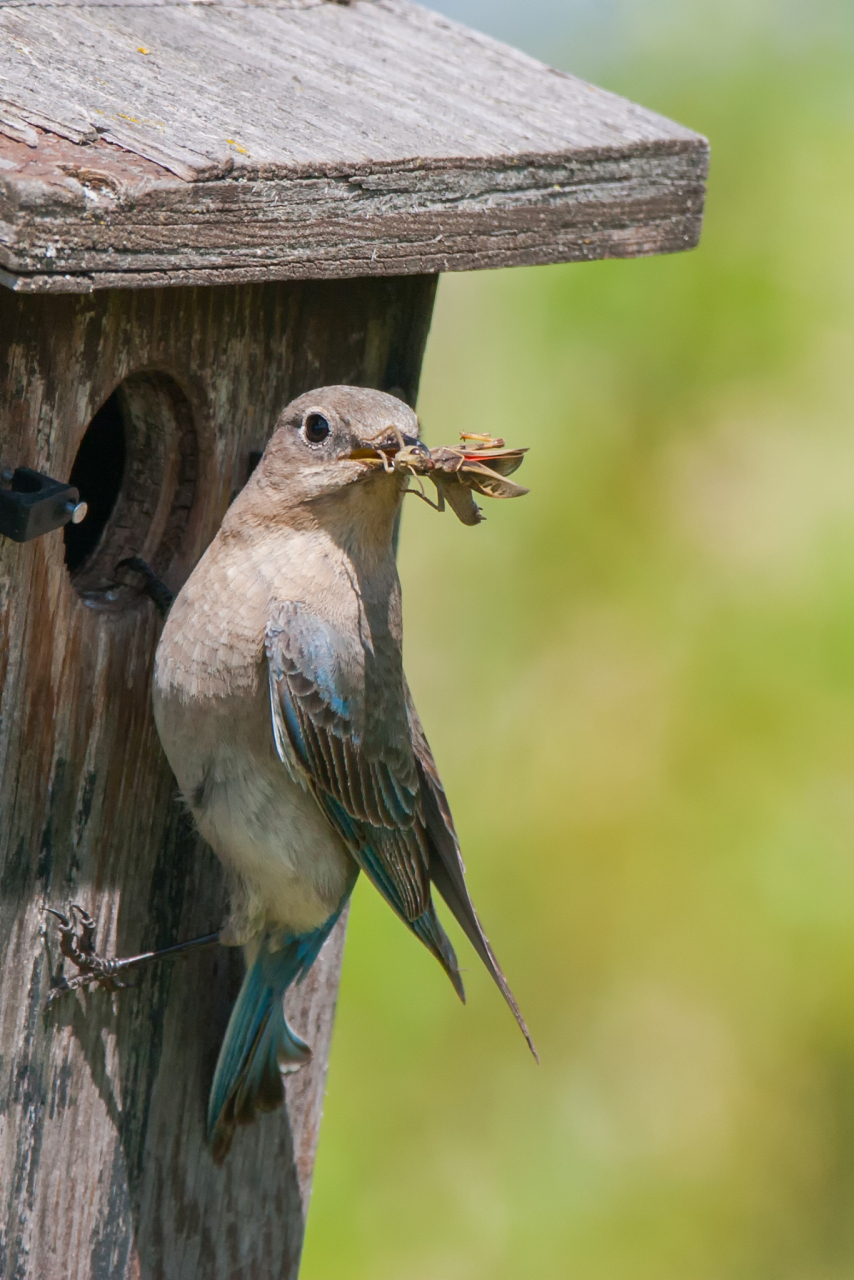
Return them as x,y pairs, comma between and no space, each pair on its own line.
639,684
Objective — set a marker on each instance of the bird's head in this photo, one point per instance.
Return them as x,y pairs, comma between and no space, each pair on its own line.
323,461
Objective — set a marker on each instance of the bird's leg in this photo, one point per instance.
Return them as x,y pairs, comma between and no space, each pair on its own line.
153,587
77,944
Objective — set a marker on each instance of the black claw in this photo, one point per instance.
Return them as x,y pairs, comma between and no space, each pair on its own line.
86,936
152,585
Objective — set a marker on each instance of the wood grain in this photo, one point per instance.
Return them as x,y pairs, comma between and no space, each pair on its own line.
104,1173
190,143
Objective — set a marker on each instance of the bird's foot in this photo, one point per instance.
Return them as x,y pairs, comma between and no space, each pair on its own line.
77,944
152,586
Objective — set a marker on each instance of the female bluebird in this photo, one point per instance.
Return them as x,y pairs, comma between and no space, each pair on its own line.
281,703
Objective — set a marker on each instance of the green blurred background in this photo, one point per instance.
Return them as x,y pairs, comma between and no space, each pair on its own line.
639,685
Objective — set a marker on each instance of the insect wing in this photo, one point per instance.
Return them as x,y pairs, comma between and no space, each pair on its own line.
485,481
505,463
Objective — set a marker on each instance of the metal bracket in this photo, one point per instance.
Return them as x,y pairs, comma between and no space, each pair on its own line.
32,504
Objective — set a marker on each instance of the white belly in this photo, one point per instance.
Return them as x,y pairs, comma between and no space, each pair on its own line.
288,866
273,835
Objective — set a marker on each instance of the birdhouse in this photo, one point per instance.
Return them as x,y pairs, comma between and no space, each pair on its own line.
205,210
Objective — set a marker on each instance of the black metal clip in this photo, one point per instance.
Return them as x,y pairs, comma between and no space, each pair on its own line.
34,504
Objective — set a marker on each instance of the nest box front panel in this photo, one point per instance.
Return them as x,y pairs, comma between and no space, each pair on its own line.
152,405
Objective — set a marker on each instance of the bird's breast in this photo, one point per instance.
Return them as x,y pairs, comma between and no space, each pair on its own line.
267,829
272,834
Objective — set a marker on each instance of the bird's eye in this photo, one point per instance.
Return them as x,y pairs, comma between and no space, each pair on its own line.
315,428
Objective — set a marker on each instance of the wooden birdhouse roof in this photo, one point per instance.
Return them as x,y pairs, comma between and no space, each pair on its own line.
151,143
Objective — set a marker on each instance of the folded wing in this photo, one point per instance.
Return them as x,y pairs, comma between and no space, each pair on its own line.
346,727
340,729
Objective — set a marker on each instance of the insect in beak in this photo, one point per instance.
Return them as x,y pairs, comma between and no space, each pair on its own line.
481,464
391,453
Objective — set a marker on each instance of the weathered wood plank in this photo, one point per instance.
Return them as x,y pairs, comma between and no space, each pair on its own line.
104,1173
309,141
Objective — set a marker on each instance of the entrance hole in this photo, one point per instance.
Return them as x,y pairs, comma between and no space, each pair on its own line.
97,474
136,467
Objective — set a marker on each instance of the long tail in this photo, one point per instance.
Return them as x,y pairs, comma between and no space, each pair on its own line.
446,868
259,1046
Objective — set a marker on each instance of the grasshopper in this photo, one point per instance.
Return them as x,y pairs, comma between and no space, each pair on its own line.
480,464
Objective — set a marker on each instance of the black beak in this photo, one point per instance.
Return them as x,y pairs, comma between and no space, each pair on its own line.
391,444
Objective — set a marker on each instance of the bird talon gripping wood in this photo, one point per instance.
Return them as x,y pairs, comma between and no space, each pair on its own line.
77,944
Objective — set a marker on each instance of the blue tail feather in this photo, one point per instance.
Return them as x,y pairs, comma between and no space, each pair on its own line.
259,1045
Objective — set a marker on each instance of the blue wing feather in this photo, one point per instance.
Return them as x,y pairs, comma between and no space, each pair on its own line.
360,746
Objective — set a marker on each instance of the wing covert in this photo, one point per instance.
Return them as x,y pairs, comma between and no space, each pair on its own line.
345,726
356,758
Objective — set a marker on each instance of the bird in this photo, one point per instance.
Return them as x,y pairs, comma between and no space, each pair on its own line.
282,706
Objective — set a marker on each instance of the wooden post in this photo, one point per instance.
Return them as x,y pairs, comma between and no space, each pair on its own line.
103,1165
